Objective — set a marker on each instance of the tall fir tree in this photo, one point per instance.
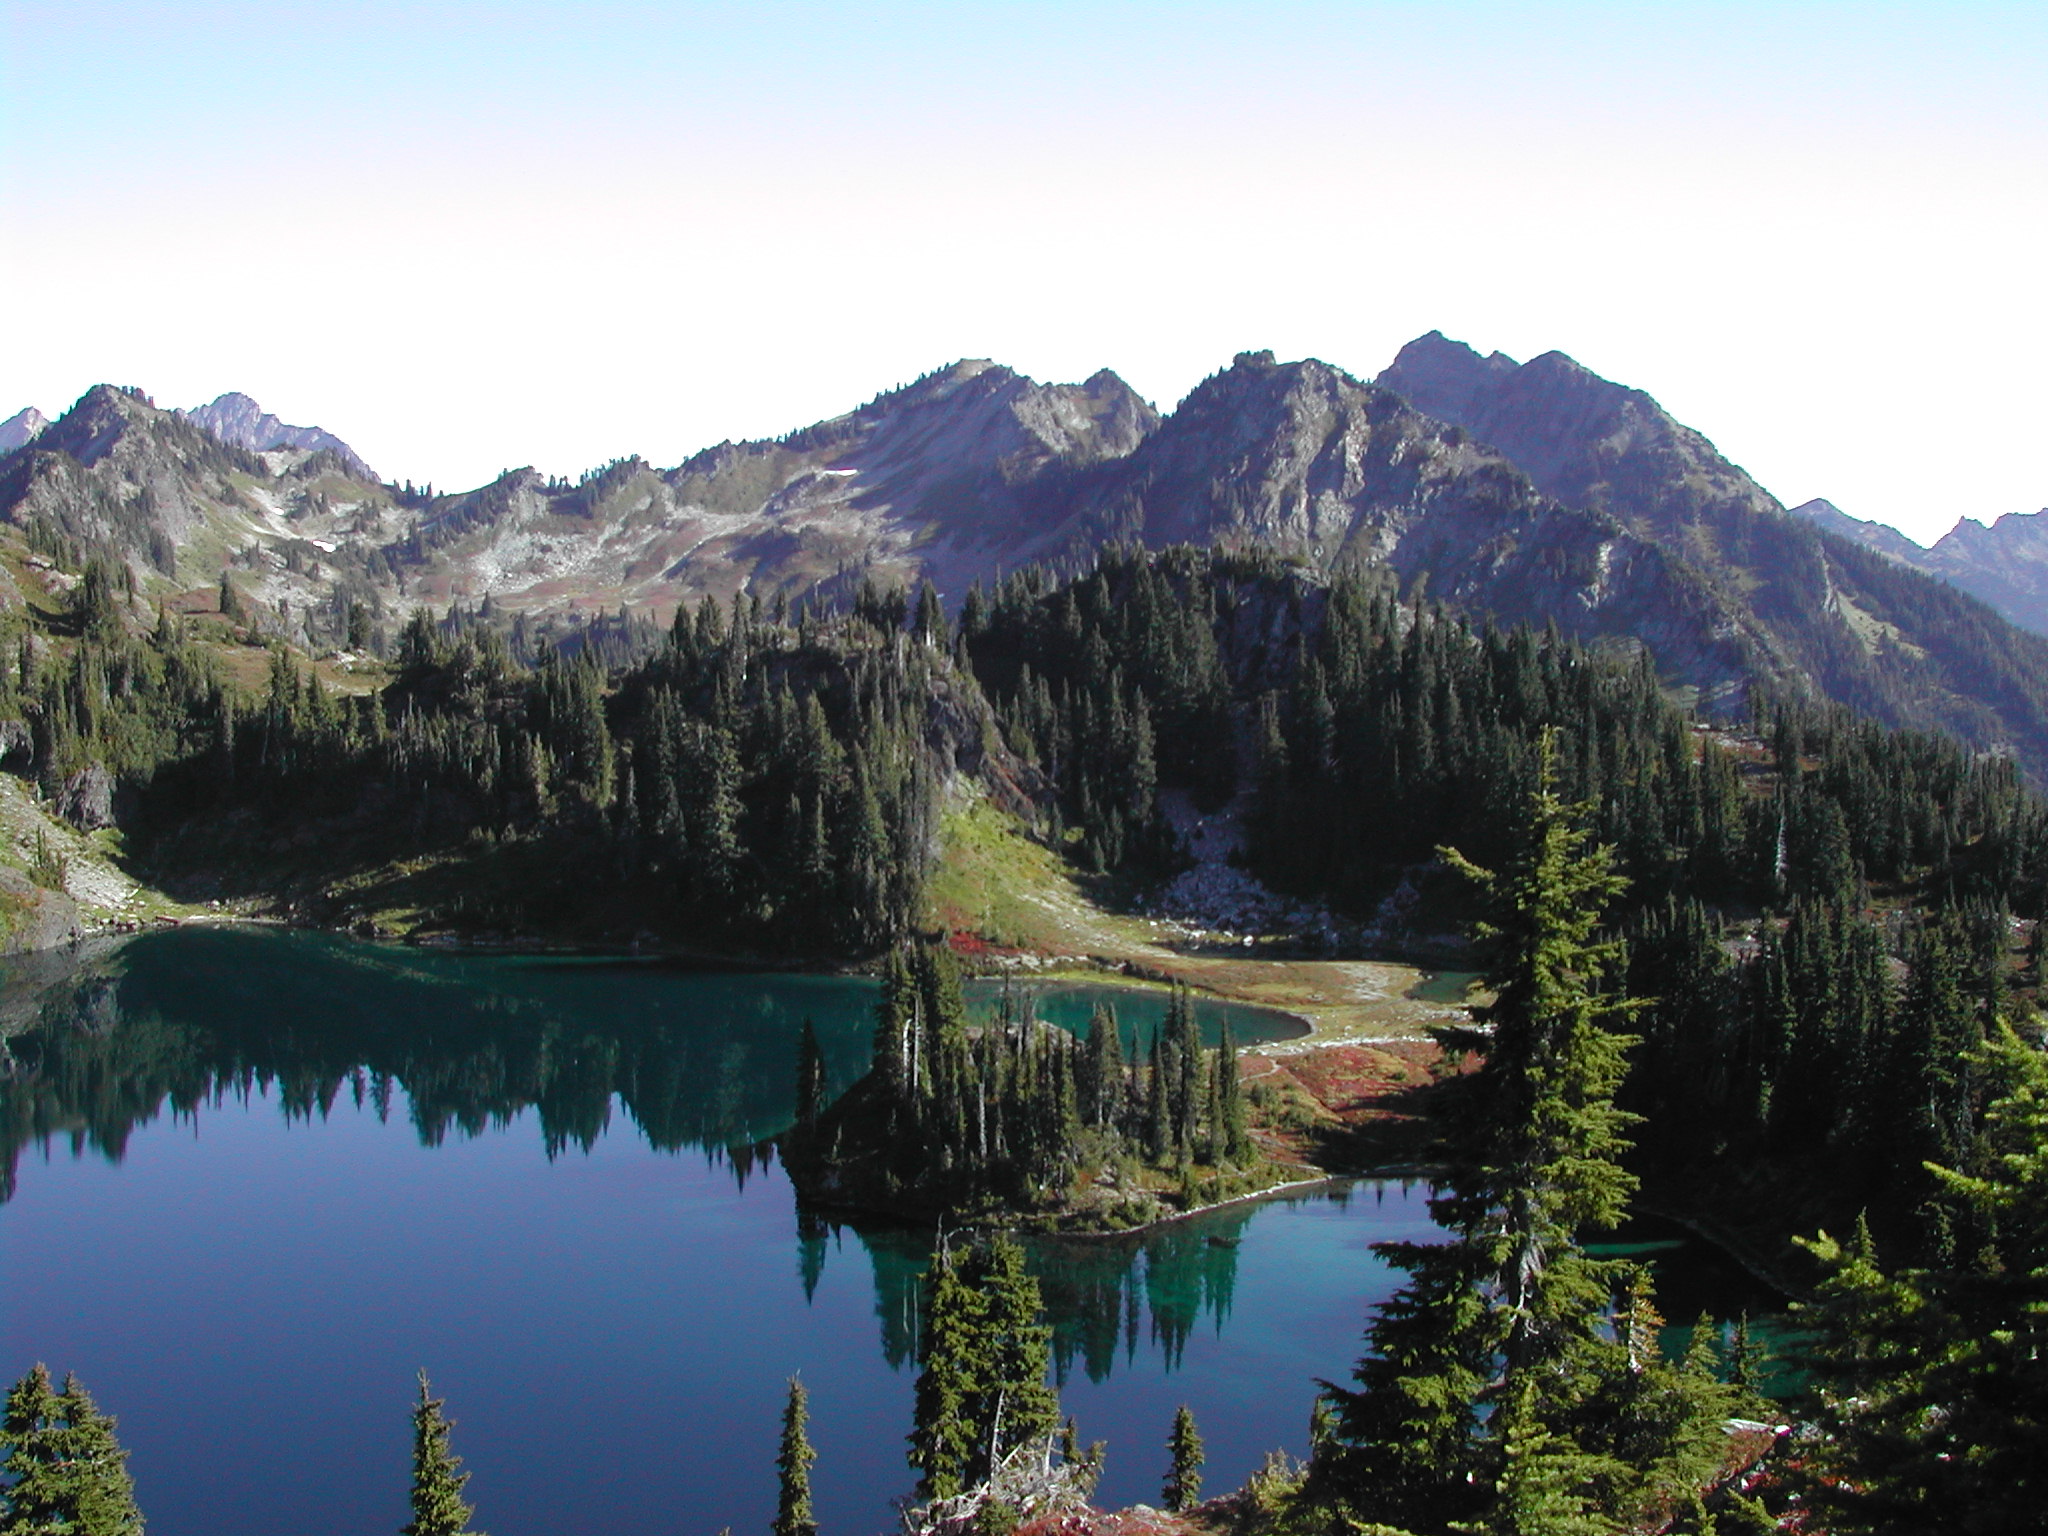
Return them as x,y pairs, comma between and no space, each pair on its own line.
1183,1485
1487,1391
793,1461
983,1390
437,1476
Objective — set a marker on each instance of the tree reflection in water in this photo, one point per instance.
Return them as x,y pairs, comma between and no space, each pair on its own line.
97,1041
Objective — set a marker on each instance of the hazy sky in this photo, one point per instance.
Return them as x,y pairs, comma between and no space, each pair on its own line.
469,236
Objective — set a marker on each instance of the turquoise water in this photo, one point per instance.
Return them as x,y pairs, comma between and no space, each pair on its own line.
256,1179
1072,1004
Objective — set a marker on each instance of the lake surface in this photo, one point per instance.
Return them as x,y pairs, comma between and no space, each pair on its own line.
254,1180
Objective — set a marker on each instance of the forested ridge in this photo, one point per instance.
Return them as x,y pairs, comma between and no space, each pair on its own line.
745,782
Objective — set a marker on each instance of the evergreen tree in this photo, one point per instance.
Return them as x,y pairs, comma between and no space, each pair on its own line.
983,1389
1183,1483
437,1478
942,1436
1477,1399
1934,1380
793,1469
1235,1139
65,1473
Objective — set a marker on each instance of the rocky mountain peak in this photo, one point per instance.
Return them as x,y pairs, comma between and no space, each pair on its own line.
91,429
1886,540
1445,371
24,426
2006,536
236,419
1582,438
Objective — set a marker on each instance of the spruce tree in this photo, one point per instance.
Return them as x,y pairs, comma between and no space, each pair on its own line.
1472,1402
66,1474
793,1468
1235,1138
943,1434
437,1478
1183,1483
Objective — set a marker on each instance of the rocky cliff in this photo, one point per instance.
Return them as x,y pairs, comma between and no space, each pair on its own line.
24,426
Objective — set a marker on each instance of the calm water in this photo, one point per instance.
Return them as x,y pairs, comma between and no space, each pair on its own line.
254,1180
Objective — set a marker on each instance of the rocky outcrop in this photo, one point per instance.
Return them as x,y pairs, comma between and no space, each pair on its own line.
86,798
32,918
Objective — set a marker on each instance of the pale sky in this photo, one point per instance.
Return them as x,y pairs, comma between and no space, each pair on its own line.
470,236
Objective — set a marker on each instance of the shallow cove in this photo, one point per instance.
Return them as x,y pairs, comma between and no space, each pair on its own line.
256,1178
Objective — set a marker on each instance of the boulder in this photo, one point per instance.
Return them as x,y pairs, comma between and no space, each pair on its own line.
32,918
87,798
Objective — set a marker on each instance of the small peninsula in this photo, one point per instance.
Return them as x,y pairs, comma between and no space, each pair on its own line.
1020,1122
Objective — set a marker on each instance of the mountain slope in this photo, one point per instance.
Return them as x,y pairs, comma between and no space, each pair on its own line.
1306,459
945,477
1867,631
1882,537
154,490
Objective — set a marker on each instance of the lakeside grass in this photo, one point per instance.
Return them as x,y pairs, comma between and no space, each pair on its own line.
1019,898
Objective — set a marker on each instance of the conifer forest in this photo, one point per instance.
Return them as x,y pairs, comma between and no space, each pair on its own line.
1769,971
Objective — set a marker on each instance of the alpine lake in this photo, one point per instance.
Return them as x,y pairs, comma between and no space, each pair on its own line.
254,1180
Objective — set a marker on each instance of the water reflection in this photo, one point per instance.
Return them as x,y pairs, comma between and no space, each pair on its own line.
94,1044
1108,1298
98,1040
101,1040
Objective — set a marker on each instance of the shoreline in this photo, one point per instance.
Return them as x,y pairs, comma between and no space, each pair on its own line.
1081,1235
1383,997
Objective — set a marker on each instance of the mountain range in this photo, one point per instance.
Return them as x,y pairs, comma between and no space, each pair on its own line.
2005,563
1516,492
